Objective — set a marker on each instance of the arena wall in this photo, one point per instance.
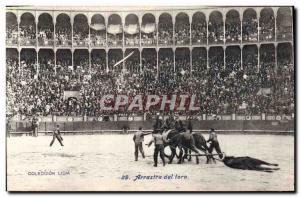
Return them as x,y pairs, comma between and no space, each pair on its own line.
238,126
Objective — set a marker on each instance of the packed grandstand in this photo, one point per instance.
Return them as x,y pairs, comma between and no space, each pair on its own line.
236,60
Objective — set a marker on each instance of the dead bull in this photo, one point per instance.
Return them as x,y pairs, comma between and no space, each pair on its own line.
248,163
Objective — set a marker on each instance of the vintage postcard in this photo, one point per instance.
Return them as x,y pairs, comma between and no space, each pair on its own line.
145,99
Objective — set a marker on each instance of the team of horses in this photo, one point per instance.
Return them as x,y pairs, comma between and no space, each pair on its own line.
195,142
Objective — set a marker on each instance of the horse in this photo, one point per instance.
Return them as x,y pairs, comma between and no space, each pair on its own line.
200,144
169,135
185,141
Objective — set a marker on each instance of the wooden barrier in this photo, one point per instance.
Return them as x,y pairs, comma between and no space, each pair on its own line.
257,132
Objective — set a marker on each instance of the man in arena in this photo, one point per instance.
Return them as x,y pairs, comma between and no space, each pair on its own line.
179,125
125,129
169,123
35,125
190,126
56,134
214,143
158,123
158,139
138,139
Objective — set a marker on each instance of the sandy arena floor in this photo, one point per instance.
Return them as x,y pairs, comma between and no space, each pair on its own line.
97,162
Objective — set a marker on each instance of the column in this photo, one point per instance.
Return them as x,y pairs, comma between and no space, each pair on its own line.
140,25
140,43
106,58
123,39
140,51
89,43
224,51
241,18
18,26
293,31
37,62
275,52
173,22
72,52
174,59
106,26
36,30
207,57
224,28
258,26
54,28
241,48
207,32
54,42
90,59
190,21
157,66
275,29
72,46
36,45
123,63
18,39
72,23
156,21
191,59
19,53
55,61
258,57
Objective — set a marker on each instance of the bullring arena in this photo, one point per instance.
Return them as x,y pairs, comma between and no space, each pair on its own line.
239,62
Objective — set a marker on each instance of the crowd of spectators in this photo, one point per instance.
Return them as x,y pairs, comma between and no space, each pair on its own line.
98,62
132,64
149,69
215,33
284,86
132,40
45,35
165,33
183,69
148,39
182,31
267,28
12,34
182,34
233,62
115,39
199,66
233,32
284,33
63,35
199,33
27,34
81,34
250,63
98,38
250,31
219,89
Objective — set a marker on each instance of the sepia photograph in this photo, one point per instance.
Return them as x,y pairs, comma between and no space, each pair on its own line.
150,98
